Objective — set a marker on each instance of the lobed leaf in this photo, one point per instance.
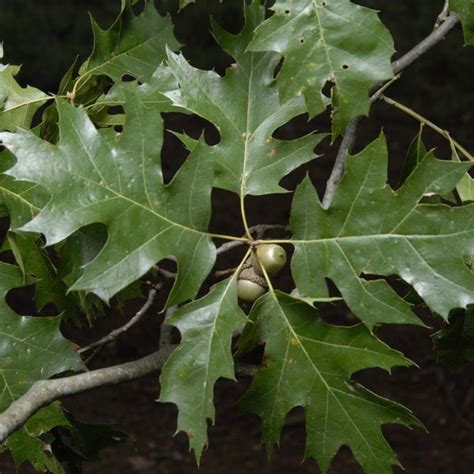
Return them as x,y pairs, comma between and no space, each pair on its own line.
22,200
465,187
31,348
133,45
27,445
372,230
336,42
309,363
99,176
246,109
18,104
204,355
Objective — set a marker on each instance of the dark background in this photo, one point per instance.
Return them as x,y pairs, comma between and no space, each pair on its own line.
46,36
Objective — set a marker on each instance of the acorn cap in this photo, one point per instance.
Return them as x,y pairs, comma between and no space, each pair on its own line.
249,274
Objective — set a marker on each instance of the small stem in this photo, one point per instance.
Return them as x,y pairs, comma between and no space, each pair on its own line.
274,241
244,239
244,218
43,392
345,148
398,66
116,332
379,92
428,123
227,271
258,229
443,15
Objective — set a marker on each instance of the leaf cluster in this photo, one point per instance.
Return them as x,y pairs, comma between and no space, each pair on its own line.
92,218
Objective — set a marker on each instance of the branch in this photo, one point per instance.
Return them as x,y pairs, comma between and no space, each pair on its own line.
116,332
443,15
258,229
165,273
424,46
398,66
44,392
348,141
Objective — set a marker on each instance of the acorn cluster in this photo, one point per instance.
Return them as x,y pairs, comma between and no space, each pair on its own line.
252,283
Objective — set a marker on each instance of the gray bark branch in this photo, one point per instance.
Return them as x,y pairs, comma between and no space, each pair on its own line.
44,392
398,66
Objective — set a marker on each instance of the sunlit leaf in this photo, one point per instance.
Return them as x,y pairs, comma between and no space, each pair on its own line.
97,176
372,230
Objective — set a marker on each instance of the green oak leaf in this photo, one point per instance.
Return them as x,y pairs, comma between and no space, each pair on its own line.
31,348
416,152
372,230
204,355
79,249
23,201
37,266
18,104
309,363
325,41
152,95
48,129
465,9
26,445
74,254
246,109
133,45
87,440
465,187
115,179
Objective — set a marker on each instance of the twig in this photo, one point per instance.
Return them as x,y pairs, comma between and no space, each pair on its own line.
398,66
165,273
380,91
346,146
116,332
259,230
227,271
425,45
348,141
443,15
44,392
428,123
228,246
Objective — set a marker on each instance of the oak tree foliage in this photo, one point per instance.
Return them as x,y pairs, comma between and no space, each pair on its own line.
91,217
